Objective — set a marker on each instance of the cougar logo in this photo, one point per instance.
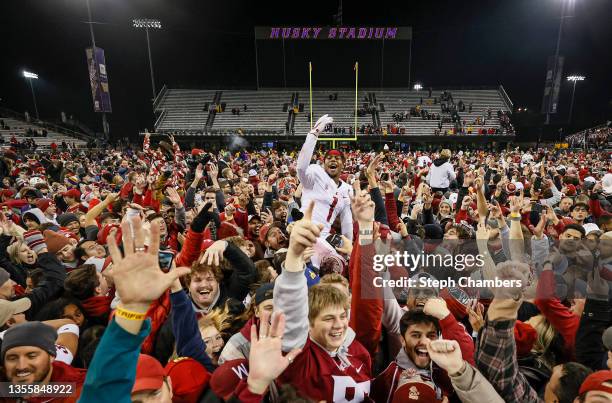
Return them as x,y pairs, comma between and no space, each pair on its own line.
346,390
413,393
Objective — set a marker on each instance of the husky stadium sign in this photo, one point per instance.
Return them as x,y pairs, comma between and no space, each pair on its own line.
334,33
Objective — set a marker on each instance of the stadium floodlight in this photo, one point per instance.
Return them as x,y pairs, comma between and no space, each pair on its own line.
29,75
148,23
573,78
418,87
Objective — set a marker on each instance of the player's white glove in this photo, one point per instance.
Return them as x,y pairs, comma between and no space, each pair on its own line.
321,124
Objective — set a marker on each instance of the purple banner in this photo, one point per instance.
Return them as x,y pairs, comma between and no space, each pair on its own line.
347,33
98,79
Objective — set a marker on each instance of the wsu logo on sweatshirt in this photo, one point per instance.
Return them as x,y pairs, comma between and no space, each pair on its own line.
345,386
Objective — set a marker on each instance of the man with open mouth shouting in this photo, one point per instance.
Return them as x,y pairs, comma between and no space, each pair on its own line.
322,184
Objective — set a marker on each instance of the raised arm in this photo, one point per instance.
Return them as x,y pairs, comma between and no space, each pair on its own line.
54,274
139,281
496,353
366,299
189,342
90,217
290,289
303,161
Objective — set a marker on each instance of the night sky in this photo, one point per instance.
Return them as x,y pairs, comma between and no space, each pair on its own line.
209,44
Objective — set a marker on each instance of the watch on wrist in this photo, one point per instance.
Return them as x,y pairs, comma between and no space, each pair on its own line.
461,370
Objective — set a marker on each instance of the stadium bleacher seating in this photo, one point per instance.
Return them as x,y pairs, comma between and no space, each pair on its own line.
19,129
183,110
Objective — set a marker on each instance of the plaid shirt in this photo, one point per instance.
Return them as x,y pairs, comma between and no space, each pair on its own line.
496,359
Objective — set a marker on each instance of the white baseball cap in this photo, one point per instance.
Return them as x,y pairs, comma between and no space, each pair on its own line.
589,228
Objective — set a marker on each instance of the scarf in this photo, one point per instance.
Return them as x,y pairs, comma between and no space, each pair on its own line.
97,306
204,311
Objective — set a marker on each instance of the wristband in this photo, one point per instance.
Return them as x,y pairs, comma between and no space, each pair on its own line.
515,215
70,328
129,315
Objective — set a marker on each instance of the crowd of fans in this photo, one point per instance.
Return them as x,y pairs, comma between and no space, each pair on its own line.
161,274
595,137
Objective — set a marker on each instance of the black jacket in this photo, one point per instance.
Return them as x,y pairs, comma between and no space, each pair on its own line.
235,286
18,274
51,285
595,319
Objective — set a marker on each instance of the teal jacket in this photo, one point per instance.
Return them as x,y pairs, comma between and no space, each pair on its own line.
112,372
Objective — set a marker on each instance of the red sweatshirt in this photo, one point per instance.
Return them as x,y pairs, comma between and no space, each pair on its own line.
560,317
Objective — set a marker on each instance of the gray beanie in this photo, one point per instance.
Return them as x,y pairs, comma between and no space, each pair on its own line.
35,334
66,218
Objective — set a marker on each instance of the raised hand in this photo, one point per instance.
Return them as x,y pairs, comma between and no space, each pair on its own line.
173,196
214,254
516,203
371,170
476,315
199,172
347,246
267,217
303,235
214,170
517,273
266,360
447,354
436,307
496,211
137,276
597,288
321,124
363,208
402,229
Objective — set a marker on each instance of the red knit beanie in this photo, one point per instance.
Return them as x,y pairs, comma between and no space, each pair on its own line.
55,241
525,336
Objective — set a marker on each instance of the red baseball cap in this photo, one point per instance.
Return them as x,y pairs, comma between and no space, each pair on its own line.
189,379
415,392
226,377
73,193
595,382
149,374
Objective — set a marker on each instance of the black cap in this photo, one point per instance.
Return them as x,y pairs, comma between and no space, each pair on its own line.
35,334
66,218
264,292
